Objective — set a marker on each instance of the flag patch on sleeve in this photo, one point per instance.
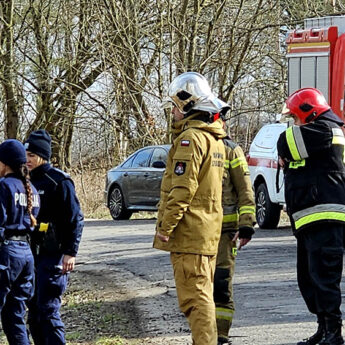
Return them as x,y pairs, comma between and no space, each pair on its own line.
184,142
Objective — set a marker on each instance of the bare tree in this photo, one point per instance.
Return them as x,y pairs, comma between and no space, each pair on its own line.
8,70
95,72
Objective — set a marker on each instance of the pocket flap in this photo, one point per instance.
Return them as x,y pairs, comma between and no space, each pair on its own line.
183,156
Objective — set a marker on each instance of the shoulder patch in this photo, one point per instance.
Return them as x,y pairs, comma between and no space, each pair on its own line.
180,168
185,142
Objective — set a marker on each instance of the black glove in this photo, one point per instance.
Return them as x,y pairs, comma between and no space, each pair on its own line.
246,232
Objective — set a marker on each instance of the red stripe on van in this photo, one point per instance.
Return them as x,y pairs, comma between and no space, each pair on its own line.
262,162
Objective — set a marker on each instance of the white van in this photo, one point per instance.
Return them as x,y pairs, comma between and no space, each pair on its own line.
263,164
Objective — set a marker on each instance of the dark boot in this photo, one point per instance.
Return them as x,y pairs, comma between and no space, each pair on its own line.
333,332
223,341
315,338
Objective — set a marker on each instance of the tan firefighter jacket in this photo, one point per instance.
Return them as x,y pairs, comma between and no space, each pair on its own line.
190,207
238,199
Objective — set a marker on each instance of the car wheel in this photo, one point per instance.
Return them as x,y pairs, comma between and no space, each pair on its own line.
117,206
267,212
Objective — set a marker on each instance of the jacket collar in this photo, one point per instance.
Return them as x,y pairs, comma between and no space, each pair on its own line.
40,170
329,115
215,128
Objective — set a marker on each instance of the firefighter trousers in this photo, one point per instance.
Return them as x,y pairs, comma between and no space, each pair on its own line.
223,293
319,268
194,286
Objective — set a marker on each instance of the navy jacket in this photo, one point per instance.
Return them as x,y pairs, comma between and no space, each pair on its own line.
13,205
59,206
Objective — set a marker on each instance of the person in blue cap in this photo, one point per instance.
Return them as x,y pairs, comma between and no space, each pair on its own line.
56,241
19,205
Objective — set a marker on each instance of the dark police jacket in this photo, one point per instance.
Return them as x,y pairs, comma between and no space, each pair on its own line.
59,207
14,217
314,171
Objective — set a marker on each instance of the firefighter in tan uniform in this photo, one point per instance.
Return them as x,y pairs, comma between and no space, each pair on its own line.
238,221
190,210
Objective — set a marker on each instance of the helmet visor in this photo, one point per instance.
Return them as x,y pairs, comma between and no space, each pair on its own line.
286,110
212,104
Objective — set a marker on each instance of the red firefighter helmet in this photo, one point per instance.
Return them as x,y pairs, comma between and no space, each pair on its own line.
307,104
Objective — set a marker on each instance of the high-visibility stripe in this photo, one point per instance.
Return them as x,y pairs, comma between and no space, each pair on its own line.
337,132
238,161
300,142
229,209
338,136
319,212
297,164
247,209
319,208
320,216
292,145
225,314
338,139
296,143
226,164
229,218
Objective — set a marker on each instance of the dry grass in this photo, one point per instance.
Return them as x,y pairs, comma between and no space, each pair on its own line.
90,187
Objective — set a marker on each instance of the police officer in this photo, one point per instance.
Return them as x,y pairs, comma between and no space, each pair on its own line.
19,205
238,221
312,154
190,211
56,241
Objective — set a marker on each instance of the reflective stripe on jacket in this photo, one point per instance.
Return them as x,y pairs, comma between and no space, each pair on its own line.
238,198
190,210
314,172
319,212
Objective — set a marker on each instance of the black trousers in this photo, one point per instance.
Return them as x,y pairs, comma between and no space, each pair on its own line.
319,267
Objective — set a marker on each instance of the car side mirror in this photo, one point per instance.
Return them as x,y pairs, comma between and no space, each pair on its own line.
158,165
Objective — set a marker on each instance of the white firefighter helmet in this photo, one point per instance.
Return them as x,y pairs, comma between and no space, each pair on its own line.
190,90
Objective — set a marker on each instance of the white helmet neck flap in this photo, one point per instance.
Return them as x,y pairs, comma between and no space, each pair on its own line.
191,91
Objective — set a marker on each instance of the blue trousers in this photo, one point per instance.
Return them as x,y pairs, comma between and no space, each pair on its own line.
16,288
44,318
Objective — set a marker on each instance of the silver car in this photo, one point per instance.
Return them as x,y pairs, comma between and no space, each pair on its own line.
134,185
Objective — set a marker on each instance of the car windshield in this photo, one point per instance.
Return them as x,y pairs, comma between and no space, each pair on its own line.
268,136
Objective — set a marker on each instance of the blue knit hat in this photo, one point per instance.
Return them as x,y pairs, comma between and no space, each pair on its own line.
39,142
12,153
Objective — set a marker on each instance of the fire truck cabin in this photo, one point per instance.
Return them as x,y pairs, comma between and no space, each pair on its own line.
316,58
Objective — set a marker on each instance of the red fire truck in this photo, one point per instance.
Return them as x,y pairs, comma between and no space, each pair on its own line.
316,58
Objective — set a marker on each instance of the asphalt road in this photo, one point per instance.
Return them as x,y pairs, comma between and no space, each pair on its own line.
269,308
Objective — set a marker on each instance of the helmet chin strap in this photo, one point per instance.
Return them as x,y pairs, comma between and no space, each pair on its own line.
310,117
188,107
204,116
